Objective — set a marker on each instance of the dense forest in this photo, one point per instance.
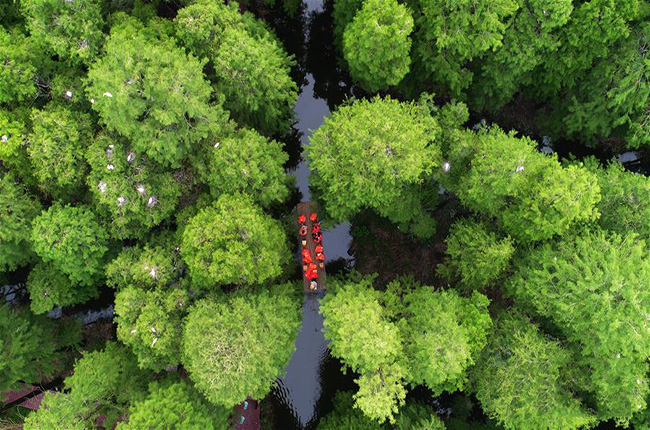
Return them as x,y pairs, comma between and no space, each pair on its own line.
489,157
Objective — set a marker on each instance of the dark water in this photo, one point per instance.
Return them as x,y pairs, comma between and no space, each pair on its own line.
300,389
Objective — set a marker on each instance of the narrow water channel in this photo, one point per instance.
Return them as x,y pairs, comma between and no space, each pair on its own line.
300,388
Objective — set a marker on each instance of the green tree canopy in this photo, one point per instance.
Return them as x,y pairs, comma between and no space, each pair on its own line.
233,242
103,383
246,339
523,379
49,287
531,195
377,42
72,240
32,349
70,29
13,143
17,71
410,334
477,255
250,65
625,204
613,98
57,148
594,288
175,404
153,93
127,188
374,154
151,323
17,210
451,34
248,163
155,264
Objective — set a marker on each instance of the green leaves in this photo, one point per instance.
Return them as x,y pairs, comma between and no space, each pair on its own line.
529,193
103,383
32,349
72,29
72,239
133,192
175,404
56,150
520,379
248,163
151,92
233,242
236,347
594,289
250,65
374,154
17,210
410,334
376,44
477,255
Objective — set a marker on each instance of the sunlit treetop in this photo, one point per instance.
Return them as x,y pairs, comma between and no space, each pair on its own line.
71,29
250,65
233,242
245,162
153,93
377,42
57,150
134,193
17,210
372,154
73,240
531,195
16,69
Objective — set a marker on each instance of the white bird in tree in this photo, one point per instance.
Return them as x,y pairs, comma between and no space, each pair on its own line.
107,94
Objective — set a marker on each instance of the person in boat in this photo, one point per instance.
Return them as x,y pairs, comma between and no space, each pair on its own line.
318,237
319,249
313,285
313,217
303,230
306,256
302,220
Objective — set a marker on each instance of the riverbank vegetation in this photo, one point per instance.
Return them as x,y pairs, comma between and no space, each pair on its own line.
491,158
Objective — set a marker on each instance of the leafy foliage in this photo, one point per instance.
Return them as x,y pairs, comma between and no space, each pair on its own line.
70,29
443,333
233,242
150,322
237,346
531,195
175,404
56,149
374,154
376,44
625,204
49,287
17,210
594,289
477,255
16,69
32,349
103,383
156,264
250,65
521,379
72,240
450,34
344,416
411,334
134,193
248,163
151,92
